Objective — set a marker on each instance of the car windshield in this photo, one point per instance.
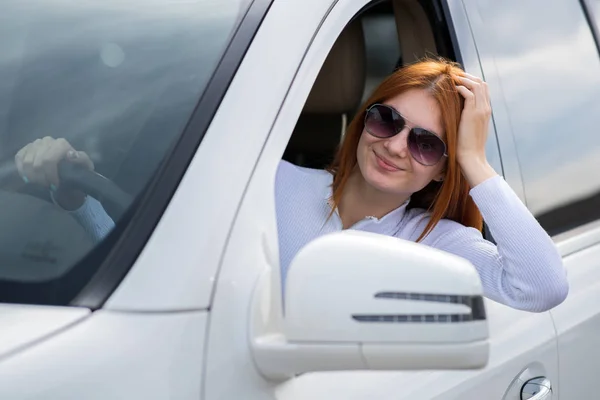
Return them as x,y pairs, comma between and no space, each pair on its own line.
107,87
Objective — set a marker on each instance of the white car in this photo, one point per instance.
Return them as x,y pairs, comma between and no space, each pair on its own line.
186,107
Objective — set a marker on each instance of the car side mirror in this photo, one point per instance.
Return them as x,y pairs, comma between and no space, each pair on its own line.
356,300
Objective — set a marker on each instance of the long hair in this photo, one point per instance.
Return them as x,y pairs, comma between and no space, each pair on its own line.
448,199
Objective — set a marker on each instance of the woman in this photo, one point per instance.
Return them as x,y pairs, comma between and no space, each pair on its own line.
412,165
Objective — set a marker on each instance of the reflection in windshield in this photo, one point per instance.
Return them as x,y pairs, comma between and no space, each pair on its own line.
100,73
118,80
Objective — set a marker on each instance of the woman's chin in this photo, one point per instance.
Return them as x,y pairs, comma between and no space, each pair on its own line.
383,183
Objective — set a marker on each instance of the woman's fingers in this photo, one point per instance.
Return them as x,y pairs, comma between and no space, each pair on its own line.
42,162
19,157
470,83
80,158
29,172
38,161
54,153
479,90
466,93
473,78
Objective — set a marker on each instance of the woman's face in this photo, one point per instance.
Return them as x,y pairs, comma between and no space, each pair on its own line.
386,164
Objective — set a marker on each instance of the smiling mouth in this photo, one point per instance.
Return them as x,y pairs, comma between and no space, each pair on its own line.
385,164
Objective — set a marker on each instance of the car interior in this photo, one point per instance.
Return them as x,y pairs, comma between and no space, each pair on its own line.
383,36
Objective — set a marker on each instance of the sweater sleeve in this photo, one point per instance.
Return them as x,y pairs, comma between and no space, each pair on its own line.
524,270
92,216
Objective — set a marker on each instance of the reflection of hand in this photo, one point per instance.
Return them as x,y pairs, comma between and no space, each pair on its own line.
38,162
473,130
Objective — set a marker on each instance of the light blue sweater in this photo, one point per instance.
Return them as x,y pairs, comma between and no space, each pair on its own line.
524,270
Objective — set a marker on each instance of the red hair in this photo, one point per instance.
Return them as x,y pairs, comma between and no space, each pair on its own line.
448,199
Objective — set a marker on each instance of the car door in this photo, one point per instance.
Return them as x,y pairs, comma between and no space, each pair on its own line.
555,122
523,345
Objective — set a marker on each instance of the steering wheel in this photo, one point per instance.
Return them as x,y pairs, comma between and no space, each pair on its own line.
72,176
41,246
112,197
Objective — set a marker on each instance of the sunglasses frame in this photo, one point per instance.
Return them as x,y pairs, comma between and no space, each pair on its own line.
394,111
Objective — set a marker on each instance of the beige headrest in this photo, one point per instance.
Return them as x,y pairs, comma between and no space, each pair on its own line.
341,81
414,30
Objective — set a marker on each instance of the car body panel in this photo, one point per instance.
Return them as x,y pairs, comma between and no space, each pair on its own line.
112,355
26,324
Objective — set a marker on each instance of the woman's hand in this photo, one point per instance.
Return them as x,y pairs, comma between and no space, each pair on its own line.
473,130
38,162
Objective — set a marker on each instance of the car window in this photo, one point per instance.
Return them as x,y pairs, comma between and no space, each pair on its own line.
117,81
550,73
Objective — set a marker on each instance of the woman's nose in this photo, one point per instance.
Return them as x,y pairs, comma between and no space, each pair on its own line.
397,145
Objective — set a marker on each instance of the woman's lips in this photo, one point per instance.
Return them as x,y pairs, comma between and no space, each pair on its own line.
386,165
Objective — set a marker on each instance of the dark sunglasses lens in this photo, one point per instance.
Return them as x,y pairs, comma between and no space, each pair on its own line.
381,122
425,147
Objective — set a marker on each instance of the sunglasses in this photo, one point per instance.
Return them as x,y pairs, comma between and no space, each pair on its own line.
384,122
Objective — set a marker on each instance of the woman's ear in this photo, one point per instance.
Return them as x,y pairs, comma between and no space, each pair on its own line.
440,177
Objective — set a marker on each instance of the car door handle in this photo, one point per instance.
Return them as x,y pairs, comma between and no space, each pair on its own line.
537,389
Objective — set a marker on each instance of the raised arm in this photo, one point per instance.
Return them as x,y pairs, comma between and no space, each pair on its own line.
524,269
